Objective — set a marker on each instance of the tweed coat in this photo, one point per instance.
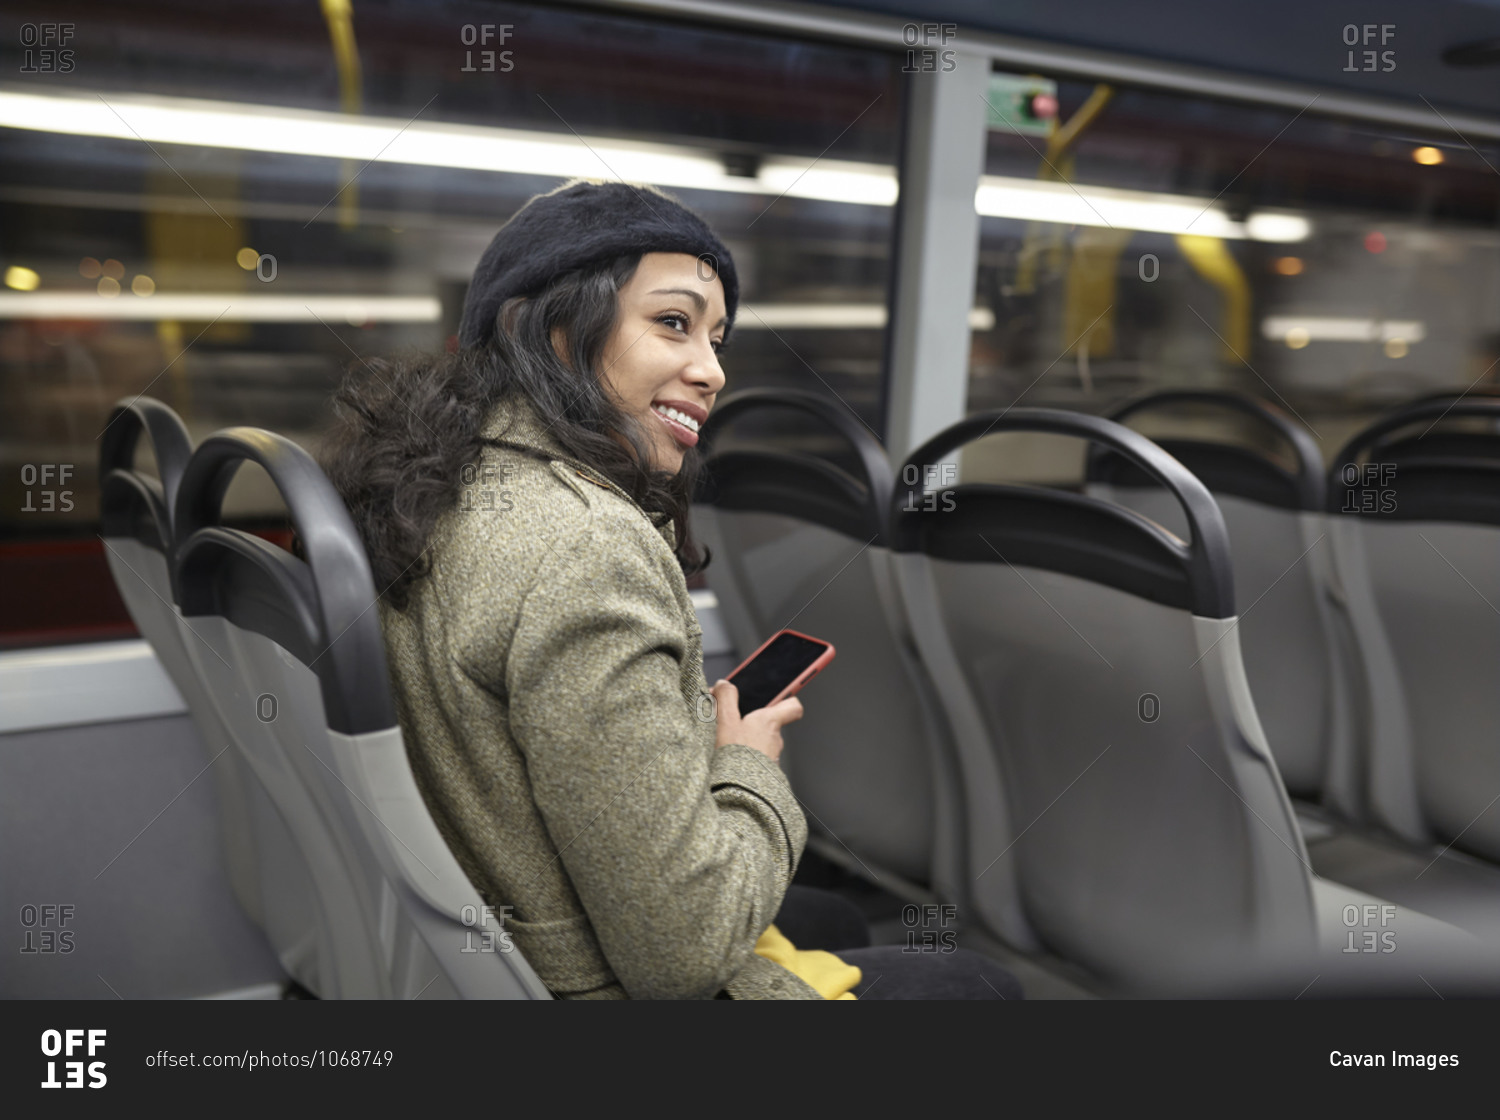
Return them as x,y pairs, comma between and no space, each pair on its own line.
548,675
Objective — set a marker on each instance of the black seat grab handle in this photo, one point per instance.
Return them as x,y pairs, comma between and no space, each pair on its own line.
330,541
169,439
1207,554
872,456
1341,479
1309,477
1481,393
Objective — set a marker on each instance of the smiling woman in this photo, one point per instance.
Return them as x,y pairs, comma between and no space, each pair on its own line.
545,653
589,307
664,359
526,634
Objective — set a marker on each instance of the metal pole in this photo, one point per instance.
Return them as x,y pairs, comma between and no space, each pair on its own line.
937,251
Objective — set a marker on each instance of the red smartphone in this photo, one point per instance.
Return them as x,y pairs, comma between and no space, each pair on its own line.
786,662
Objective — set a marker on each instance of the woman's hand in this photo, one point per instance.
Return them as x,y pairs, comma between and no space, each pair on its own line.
761,729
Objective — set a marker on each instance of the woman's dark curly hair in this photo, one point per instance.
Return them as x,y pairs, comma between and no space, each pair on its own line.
406,427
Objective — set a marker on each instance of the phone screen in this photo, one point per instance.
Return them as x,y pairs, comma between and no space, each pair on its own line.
775,667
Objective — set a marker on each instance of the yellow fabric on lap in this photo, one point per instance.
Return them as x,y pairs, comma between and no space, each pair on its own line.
832,978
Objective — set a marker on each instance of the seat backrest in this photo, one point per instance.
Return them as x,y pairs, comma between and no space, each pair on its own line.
136,516
1416,528
1090,663
292,652
798,542
1288,629
1441,438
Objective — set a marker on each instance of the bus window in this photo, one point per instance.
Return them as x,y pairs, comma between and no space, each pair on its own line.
1143,240
213,234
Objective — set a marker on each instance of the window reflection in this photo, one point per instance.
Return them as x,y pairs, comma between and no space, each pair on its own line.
1334,268
188,213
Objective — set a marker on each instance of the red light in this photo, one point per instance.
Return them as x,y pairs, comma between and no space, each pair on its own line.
1375,241
1043,106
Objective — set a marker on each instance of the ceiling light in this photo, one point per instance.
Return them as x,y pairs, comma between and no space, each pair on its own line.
832,316
1331,329
267,128
1041,201
356,310
226,307
1427,157
22,279
834,181
1266,226
224,124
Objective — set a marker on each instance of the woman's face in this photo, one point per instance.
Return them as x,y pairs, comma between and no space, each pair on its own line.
661,363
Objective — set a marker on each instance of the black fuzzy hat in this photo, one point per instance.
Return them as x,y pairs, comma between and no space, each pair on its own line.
579,224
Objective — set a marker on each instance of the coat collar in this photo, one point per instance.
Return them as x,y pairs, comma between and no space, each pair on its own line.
513,421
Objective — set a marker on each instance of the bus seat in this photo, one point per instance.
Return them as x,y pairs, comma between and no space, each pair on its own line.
1415,523
136,515
1127,813
800,543
291,653
1289,630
